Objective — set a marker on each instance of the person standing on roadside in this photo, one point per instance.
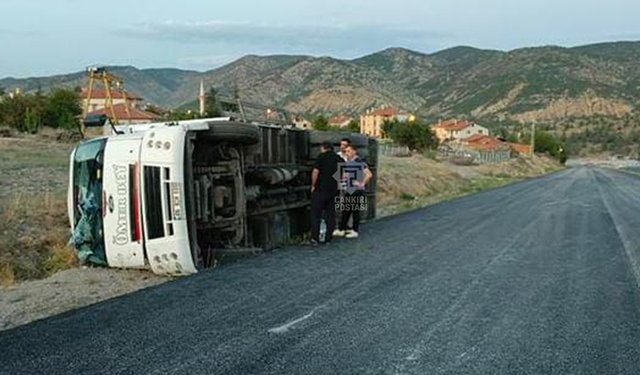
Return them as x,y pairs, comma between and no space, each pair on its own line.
344,143
353,201
324,189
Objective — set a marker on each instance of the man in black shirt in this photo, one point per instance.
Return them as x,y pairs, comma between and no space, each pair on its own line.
324,189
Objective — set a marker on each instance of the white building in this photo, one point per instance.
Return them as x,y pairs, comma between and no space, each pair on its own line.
99,98
456,130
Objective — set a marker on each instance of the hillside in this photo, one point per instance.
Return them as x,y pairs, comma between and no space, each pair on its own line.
548,85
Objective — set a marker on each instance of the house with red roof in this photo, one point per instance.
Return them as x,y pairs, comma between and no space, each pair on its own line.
99,96
339,121
484,143
136,113
458,129
481,148
371,122
519,149
132,116
487,143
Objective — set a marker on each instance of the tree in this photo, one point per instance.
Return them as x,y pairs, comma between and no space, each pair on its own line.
413,134
62,109
13,111
181,116
546,143
28,112
31,120
354,126
232,106
321,123
212,107
388,127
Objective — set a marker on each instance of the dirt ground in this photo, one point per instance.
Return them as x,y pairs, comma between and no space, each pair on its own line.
39,275
35,279
66,290
32,165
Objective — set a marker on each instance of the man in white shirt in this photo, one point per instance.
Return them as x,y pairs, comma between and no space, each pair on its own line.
353,200
344,143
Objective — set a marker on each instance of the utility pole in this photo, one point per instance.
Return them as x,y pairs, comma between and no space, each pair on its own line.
533,138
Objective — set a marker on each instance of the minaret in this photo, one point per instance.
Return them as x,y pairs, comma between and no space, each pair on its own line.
203,98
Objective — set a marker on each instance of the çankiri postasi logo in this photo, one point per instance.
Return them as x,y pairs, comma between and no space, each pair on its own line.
350,176
351,203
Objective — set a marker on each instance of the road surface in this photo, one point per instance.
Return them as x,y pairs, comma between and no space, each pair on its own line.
533,278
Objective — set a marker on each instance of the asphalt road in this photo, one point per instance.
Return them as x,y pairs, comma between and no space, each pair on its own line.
534,278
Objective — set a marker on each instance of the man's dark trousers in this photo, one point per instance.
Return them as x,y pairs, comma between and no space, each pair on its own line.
351,209
323,202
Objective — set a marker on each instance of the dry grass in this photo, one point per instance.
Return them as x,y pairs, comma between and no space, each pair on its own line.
33,237
415,176
409,183
7,278
34,229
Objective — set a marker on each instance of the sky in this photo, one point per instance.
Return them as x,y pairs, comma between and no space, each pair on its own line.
47,37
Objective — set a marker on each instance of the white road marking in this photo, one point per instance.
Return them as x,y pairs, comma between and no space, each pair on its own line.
285,327
414,356
627,243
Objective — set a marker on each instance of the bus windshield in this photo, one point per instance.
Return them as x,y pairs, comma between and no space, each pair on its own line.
87,201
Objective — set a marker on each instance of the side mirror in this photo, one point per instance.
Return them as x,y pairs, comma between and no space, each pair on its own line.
96,121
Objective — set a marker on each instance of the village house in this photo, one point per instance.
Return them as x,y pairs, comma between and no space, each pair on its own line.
520,150
484,142
134,116
456,130
371,122
339,121
99,98
129,109
302,123
483,149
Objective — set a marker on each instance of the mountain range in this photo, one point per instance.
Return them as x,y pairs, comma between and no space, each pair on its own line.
541,84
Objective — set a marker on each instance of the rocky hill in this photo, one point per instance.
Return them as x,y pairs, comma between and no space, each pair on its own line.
544,84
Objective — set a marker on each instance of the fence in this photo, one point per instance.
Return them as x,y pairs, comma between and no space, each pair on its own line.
495,156
390,149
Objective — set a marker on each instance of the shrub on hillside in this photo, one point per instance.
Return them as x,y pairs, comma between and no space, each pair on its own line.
548,144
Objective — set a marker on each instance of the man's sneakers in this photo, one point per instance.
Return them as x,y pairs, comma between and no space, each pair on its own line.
345,233
312,243
351,234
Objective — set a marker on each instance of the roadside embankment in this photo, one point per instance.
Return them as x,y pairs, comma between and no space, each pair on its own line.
406,183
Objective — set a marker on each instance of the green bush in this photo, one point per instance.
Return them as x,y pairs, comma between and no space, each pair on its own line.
31,121
62,109
548,144
321,123
415,135
27,112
